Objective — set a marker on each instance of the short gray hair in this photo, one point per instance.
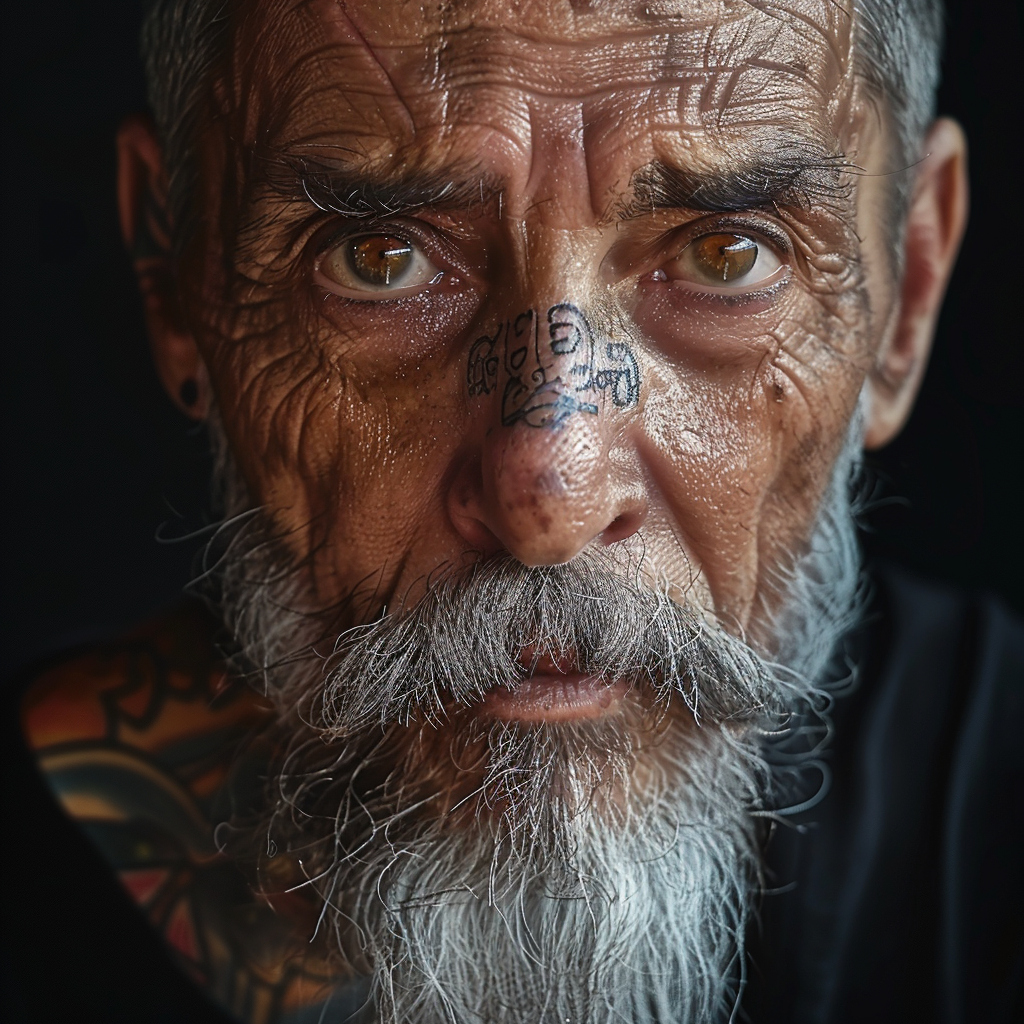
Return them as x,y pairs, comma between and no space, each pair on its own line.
182,42
897,50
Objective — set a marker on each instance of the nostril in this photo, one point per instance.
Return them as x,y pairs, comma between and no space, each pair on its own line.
622,526
466,512
469,522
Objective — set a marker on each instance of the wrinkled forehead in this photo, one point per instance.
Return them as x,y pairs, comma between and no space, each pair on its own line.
415,84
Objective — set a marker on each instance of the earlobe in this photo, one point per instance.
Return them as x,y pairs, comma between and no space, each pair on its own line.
142,205
934,227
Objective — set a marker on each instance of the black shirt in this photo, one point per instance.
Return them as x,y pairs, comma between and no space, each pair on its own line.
902,897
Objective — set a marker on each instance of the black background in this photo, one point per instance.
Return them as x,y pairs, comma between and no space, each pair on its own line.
103,477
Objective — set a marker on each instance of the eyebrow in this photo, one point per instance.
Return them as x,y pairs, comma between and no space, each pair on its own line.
798,179
366,195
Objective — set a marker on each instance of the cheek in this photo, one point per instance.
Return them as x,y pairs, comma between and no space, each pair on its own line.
384,422
342,413
742,425
388,339
705,331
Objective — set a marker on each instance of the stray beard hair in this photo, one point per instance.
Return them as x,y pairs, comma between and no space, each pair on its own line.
493,872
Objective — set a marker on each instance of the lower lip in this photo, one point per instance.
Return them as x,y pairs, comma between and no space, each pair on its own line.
555,698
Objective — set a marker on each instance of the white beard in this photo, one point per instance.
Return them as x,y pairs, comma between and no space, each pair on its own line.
642,920
556,890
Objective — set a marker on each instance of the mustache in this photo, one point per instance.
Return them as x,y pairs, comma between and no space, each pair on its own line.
467,634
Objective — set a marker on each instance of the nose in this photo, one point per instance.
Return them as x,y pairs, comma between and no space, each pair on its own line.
550,468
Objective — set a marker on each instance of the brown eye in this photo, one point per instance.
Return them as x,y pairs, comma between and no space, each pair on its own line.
724,257
724,261
373,264
380,259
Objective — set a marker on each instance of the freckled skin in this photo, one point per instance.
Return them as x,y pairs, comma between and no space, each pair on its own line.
351,417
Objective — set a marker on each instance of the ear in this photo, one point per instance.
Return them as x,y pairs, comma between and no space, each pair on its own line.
142,204
935,224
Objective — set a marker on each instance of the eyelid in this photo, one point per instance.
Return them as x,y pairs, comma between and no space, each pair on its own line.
341,228
451,240
775,271
740,225
753,291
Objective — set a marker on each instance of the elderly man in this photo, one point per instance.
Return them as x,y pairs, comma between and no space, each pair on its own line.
538,343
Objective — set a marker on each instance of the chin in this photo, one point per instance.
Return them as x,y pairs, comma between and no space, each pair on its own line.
494,871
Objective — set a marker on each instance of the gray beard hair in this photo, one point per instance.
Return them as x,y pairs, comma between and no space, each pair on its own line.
509,873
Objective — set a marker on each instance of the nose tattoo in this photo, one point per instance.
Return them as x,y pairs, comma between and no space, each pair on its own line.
551,372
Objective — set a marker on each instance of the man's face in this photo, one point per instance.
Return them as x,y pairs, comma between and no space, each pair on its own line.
537,333
539,278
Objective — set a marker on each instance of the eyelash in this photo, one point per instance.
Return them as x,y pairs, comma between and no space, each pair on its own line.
759,228
356,228
736,300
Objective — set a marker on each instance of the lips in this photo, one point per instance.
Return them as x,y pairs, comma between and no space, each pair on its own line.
555,698
554,691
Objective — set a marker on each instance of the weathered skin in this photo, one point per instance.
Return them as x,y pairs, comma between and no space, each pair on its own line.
351,416
579,154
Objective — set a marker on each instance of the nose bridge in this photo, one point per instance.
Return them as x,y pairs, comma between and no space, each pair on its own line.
549,387
543,348
550,390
